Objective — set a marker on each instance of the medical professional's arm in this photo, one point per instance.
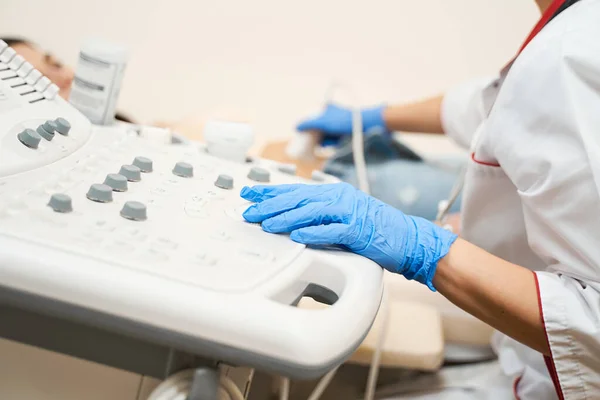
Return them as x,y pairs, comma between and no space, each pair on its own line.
419,117
497,292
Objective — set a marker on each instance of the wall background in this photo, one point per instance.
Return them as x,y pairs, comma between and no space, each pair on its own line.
270,61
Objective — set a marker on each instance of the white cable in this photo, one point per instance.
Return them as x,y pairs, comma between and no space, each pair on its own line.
284,389
322,385
178,386
376,360
358,151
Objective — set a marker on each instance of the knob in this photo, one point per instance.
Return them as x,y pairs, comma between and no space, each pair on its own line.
224,182
143,163
117,182
30,138
134,210
183,169
60,202
46,130
100,193
131,172
259,174
62,126
289,169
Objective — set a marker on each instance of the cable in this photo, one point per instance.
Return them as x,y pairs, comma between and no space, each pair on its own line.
376,360
322,385
284,389
178,386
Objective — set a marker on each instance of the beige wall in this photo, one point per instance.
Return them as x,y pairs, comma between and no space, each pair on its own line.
273,59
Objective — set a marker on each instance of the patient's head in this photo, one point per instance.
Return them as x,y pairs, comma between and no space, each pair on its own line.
45,62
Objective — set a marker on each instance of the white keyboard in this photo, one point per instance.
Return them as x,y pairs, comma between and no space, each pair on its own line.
147,239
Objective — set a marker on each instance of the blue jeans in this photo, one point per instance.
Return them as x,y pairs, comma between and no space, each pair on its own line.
400,177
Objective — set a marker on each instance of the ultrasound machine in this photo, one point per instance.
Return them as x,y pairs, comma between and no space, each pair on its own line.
131,251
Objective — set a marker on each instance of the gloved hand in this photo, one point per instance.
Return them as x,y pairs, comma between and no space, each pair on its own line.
335,122
340,214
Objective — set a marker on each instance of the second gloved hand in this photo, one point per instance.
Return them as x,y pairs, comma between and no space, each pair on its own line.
342,215
335,122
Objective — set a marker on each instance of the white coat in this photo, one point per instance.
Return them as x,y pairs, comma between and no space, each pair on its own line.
532,194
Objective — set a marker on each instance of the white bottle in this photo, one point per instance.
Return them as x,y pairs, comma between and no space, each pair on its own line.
98,79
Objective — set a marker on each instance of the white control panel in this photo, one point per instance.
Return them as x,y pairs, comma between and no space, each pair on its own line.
146,238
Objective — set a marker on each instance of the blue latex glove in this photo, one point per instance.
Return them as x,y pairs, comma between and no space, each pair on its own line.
342,215
336,122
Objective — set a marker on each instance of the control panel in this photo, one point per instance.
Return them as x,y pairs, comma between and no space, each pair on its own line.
148,239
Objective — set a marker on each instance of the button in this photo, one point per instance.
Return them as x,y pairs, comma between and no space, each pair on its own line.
25,69
131,172
289,169
16,62
117,182
224,182
60,202
100,193
3,66
183,169
3,46
33,77
7,55
30,138
7,74
134,210
42,84
46,130
51,91
62,126
259,174
143,163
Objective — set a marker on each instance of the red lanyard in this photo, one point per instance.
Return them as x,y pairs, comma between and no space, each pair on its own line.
546,17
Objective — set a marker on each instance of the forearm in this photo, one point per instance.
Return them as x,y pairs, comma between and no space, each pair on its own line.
421,117
502,294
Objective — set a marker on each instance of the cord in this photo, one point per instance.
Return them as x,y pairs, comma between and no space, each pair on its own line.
322,385
178,386
376,360
284,389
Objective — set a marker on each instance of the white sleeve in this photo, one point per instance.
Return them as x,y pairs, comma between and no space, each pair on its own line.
464,109
545,132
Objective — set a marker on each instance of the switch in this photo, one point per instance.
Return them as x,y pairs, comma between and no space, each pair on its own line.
33,77
51,91
7,55
16,62
24,69
42,84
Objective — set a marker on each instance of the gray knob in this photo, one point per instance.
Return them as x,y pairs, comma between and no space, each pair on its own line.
62,126
183,169
61,203
46,130
259,174
143,163
131,172
30,138
117,182
134,210
289,169
224,182
100,193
